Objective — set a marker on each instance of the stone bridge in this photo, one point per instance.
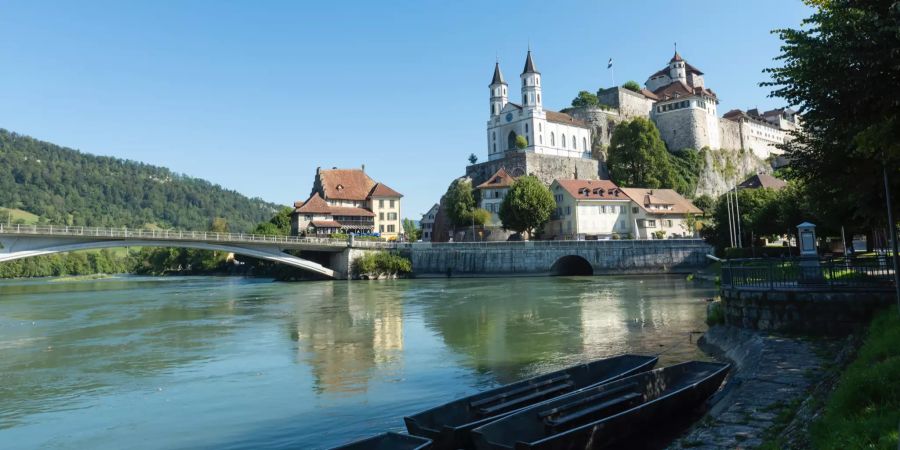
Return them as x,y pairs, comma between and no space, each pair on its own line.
23,241
559,257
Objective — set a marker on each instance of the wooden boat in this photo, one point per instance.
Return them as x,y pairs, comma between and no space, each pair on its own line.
449,425
602,415
388,441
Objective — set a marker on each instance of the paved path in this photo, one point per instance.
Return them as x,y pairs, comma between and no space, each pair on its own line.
770,373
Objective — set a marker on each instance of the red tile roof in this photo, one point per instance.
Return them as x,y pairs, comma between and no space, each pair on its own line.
678,89
592,189
501,179
326,224
313,205
661,197
563,118
350,211
346,184
675,58
382,190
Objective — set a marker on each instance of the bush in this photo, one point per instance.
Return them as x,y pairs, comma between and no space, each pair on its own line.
715,315
632,85
381,263
521,142
864,409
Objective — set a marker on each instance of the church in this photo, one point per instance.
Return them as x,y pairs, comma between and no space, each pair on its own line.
542,131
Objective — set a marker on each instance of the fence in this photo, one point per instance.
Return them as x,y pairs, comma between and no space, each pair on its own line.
794,274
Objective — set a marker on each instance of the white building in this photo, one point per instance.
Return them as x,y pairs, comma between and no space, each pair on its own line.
427,222
493,191
660,212
545,132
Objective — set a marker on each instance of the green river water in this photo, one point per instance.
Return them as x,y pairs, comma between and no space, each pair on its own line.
232,363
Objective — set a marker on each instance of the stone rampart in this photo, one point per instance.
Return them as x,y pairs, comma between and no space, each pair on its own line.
559,257
546,167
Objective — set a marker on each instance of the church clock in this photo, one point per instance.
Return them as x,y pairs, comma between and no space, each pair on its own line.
509,117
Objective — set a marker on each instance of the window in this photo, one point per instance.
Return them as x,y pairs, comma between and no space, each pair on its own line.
390,228
392,203
381,228
308,217
392,216
650,223
634,210
573,143
552,138
563,140
667,223
539,98
381,203
526,127
381,216
495,148
568,210
603,209
540,127
584,144
541,139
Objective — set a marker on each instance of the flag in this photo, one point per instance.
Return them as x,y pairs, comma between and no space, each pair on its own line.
609,65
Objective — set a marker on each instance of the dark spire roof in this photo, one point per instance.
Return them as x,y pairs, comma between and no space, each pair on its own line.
676,58
529,64
498,77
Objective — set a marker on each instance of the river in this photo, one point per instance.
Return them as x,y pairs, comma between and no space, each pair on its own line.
233,363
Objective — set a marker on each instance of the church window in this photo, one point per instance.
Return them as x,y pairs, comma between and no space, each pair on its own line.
526,127
563,141
495,148
584,144
552,138
494,135
573,142
541,139
539,98
540,128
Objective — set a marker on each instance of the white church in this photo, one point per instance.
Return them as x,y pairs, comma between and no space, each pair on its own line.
545,132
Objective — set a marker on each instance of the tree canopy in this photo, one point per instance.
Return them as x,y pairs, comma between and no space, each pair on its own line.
585,99
527,206
638,156
460,202
632,85
841,69
67,187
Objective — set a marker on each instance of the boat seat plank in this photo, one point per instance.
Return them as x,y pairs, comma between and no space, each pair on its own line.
589,399
563,420
525,399
513,392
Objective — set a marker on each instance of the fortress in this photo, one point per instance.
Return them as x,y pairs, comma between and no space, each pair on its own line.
526,138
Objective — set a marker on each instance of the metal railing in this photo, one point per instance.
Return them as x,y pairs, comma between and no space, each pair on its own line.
796,274
206,236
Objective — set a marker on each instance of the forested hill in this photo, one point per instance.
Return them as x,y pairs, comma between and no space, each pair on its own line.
64,186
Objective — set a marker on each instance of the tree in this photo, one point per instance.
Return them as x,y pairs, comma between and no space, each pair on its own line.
521,142
705,203
638,157
585,99
632,85
481,216
219,225
473,158
460,202
412,231
527,206
840,68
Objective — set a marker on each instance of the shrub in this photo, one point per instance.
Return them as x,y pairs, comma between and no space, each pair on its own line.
381,263
715,315
521,142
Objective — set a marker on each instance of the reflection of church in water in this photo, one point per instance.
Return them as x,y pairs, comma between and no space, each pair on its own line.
345,336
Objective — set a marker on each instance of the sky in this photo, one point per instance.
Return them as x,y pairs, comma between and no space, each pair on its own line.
254,95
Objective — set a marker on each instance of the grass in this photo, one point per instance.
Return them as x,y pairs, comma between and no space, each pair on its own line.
12,215
715,314
864,410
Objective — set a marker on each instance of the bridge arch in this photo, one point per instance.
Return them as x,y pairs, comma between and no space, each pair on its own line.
571,265
268,254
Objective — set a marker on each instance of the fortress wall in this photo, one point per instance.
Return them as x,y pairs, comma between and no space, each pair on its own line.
730,134
685,128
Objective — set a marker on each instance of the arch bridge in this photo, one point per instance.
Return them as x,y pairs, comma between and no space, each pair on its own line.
24,241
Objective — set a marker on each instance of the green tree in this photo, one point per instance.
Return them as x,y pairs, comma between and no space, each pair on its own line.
527,206
481,216
460,202
841,67
705,203
632,85
412,231
279,224
473,158
638,157
585,99
521,142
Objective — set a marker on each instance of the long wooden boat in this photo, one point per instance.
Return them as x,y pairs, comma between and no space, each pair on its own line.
597,417
388,441
449,425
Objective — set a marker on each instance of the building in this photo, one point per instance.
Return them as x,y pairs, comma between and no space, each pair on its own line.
763,181
588,209
348,201
544,131
427,222
660,213
493,191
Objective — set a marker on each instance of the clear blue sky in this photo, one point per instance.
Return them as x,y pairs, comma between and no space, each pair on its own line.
254,95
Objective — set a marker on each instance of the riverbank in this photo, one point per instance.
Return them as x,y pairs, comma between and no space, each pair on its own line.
772,376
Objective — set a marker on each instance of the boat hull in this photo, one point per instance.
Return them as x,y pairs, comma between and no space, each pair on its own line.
388,441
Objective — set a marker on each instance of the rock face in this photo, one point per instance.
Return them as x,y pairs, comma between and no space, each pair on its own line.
546,167
723,169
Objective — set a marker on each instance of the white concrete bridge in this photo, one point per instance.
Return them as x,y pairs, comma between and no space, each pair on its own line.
24,241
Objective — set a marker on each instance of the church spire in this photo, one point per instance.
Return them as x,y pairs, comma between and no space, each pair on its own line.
529,64
498,76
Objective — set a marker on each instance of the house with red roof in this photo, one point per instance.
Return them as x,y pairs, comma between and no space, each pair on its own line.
348,201
493,191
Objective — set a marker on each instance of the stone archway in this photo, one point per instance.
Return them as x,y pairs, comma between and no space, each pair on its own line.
570,265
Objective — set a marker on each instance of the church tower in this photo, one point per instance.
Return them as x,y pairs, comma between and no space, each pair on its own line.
677,69
531,85
499,94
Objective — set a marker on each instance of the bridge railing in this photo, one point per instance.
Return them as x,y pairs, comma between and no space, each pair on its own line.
137,233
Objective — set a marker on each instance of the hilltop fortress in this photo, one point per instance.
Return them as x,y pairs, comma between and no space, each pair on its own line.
571,143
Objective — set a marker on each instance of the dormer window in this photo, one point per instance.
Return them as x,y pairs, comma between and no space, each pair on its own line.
340,187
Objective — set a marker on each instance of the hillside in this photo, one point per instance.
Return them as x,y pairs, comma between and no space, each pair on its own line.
64,186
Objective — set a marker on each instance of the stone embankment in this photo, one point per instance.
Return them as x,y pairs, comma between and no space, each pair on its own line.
771,375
